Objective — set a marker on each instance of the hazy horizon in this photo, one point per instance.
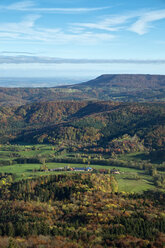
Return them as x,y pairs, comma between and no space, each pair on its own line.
32,82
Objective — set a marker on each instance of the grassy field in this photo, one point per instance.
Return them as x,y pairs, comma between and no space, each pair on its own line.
11,151
140,156
129,180
125,181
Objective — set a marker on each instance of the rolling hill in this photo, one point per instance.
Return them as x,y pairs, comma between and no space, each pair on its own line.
85,124
119,87
126,80
125,87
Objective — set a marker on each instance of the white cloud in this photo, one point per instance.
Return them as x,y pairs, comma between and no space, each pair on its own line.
77,33
28,30
144,23
19,6
16,52
139,22
22,59
21,27
112,23
30,7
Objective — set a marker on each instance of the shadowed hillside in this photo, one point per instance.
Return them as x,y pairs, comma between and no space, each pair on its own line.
95,124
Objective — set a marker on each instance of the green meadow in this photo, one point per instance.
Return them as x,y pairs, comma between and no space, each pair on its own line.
129,179
126,180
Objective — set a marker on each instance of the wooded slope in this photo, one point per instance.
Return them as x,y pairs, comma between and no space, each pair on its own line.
84,123
124,87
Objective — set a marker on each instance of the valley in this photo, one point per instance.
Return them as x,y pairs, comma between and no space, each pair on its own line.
81,168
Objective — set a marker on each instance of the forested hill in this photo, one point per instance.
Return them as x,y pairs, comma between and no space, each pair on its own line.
126,80
119,87
131,126
125,87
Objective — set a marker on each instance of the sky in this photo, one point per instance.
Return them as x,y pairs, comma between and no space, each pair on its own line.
81,38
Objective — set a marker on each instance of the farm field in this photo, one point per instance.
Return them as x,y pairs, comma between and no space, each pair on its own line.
11,152
129,180
126,184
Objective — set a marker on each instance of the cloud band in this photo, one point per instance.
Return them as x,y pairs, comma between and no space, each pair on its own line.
53,60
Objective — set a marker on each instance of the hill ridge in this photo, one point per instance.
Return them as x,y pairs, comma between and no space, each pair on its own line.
114,87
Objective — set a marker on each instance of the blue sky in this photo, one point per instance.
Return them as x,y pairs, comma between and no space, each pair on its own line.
81,38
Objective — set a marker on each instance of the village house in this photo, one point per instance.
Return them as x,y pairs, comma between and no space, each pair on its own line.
115,171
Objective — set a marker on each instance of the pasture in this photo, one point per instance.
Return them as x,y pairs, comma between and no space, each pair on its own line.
129,179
